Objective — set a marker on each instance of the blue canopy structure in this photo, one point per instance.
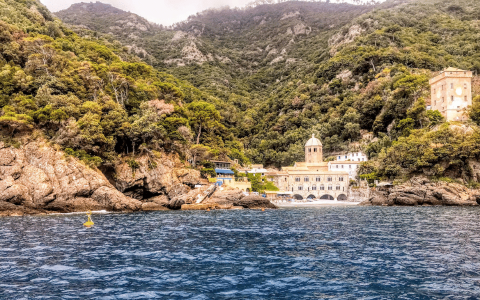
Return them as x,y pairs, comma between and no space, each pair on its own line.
224,171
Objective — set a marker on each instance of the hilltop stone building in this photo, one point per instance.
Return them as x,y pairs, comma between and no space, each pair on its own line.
452,93
312,178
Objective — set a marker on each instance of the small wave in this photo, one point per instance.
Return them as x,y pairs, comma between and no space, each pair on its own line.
97,212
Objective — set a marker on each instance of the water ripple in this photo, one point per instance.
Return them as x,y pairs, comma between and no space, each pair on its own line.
327,253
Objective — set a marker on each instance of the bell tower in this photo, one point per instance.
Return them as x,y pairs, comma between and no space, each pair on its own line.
313,151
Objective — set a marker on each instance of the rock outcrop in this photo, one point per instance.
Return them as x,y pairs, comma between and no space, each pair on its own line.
421,191
164,177
37,178
236,198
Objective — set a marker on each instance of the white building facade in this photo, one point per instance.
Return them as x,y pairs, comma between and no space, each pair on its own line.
349,162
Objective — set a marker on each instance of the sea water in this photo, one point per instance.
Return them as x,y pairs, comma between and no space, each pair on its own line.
313,253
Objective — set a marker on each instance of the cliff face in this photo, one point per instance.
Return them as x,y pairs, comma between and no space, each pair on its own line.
36,178
421,191
158,176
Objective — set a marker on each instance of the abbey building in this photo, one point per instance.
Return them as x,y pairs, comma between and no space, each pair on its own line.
314,178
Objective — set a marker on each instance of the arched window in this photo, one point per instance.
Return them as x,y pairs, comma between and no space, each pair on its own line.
297,179
338,187
314,149
329,179
340,179
330,187
300,188
306,179
322,187
314,187
318,179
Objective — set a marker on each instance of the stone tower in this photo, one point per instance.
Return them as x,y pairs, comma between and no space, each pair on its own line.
313,151
452,93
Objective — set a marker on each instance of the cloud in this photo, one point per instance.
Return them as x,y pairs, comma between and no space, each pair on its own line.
164,12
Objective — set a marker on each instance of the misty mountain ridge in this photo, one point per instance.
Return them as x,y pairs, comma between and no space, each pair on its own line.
356,75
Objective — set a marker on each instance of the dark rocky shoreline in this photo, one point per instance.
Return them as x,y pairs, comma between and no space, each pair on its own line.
420,191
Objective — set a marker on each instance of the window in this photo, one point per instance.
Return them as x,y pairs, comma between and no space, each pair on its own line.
322,187
314,149
297,179
339,157
451,86
349,166
346,157
330,188
300,188
309,150
314,187
337,187
340,179
318,179
306,179
337,166
285,179
443,99
466,99
342,166
452,98
329,179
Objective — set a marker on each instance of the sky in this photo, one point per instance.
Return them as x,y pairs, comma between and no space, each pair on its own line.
164,12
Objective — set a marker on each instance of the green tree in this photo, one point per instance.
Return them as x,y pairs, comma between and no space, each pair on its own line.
203,116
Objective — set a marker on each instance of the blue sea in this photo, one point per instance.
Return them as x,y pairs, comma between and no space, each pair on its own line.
314,253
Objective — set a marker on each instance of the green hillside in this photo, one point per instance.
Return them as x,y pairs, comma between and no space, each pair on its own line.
92,97
355,75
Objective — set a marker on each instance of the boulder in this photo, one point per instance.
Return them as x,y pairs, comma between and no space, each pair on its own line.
254,202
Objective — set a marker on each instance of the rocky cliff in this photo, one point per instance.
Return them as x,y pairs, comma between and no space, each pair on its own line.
421,191
37,178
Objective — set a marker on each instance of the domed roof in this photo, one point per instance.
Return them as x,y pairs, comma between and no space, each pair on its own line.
313,142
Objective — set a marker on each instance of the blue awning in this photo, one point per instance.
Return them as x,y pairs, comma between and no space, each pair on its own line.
224,171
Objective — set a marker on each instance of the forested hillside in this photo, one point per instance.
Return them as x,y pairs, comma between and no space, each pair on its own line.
285,70
93,98
356,75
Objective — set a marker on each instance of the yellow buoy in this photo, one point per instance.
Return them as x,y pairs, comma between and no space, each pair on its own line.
89,222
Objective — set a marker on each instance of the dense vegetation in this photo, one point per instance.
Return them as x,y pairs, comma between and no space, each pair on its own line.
267,76
95,99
